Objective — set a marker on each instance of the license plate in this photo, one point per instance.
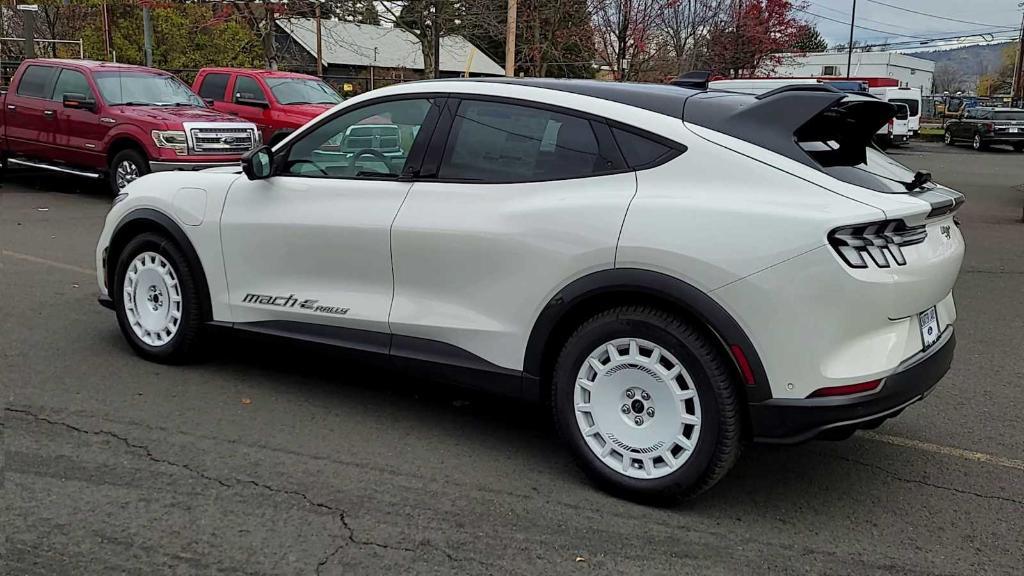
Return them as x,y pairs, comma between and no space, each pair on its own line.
929,326
1013,130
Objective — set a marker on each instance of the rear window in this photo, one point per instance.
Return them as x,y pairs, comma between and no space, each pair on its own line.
902,113
912,104
875,170
35,82
1009,115
641,152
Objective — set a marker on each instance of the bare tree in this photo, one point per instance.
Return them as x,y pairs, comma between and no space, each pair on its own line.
948,78
627,35
687,23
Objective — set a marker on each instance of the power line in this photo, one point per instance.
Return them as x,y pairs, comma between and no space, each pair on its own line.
889,32
999,30
894,7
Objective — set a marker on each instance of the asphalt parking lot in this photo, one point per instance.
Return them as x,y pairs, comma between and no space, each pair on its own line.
267,459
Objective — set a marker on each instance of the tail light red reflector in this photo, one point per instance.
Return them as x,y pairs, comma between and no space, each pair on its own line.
848,390
741,361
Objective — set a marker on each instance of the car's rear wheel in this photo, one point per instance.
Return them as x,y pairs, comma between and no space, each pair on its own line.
647,405
126,167
978,143
156,300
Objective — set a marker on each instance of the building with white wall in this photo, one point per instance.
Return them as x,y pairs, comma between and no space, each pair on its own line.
908,70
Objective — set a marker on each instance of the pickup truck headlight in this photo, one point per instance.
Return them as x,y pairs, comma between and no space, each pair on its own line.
173,139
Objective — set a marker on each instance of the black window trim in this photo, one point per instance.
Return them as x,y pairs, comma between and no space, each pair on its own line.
51,81
435,153
675,149
417,152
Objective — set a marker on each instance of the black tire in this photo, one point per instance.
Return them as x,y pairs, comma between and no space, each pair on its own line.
127,155
947,137
185,344
719,442
978,143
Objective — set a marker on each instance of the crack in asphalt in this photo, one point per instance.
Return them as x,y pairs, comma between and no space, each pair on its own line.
145,450
904,479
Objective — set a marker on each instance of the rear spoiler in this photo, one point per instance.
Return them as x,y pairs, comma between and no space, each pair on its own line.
697,80
780,119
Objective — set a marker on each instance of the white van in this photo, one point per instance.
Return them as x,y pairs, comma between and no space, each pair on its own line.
903,95
897,131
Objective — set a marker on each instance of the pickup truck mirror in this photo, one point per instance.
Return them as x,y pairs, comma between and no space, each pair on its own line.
79,102
259,163
250,99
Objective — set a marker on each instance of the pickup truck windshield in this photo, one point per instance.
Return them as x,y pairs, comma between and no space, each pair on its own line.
302,91
144,89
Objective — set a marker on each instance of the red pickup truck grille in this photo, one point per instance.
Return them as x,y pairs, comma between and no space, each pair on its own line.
222,140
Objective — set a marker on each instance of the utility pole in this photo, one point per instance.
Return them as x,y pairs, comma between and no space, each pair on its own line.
147,34
1018,69
849,47
510,39
106,31
319,44
436,30
28,18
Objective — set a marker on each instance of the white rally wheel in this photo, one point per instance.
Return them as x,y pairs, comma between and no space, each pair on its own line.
637,408
152,299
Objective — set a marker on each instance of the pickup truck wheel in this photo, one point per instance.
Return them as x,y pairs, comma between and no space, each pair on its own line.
947,138
126,167
156,300
647,405
978,143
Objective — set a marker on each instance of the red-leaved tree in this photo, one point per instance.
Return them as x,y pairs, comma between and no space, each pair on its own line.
753,37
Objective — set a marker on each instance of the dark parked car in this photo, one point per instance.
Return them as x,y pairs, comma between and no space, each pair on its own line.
983,126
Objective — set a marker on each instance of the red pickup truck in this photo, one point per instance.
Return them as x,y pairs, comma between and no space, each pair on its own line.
97,119
277,102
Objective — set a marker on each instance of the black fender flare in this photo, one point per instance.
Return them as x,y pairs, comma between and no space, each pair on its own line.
150,220
661,287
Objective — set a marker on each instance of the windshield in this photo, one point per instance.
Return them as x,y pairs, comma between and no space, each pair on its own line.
878,172
911,104
145,89
1008,115
302,91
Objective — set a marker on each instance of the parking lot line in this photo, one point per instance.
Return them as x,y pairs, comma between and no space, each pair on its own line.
38,260
946,450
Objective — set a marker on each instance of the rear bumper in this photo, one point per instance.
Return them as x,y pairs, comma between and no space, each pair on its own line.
788,421
159,166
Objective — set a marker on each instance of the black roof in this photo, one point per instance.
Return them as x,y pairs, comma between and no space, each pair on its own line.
661,98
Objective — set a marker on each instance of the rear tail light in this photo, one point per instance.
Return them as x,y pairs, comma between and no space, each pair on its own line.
890,125
848,390
882,242
990,127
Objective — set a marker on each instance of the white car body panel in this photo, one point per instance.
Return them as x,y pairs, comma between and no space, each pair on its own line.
318,239
475,263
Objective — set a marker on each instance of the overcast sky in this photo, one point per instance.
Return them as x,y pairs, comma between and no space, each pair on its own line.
890,24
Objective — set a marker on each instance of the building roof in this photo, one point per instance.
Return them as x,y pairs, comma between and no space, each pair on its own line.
351,44
859,59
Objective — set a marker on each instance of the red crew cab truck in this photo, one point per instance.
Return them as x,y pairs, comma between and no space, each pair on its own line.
277,102
97,119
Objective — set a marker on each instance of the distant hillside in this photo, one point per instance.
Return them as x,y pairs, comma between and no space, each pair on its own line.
971,61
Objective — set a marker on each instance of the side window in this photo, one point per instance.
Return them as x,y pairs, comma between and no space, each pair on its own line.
246,87
71,82
641,152
214,86
970,114
370,142
496,142
35,82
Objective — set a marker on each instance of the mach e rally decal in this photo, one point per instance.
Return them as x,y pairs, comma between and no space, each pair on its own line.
290,301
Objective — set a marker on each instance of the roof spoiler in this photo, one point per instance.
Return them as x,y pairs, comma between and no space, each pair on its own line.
779,120
695,79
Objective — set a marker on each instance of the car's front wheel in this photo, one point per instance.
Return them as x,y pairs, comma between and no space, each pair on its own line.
646,403
947,137
156,300
126,167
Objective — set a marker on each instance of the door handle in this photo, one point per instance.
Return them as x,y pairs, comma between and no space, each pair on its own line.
48,113
12,107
